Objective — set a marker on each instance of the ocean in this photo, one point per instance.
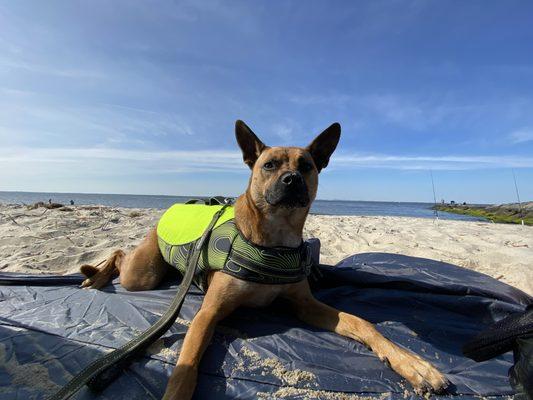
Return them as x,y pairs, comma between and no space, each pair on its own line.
327,207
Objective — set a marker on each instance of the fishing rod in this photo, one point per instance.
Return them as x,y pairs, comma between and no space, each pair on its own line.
434,195
518,197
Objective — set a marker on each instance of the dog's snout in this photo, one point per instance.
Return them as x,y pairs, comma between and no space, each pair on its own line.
289,190
291,178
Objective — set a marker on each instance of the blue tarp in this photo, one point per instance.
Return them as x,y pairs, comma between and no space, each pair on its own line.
50,329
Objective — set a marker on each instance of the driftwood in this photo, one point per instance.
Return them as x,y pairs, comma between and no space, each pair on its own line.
45,205
15,222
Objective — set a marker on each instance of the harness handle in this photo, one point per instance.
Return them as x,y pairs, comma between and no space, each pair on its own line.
212,201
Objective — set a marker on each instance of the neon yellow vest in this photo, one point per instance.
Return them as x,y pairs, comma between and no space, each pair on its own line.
227,250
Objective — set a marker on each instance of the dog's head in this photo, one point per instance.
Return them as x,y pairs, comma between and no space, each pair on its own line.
285,177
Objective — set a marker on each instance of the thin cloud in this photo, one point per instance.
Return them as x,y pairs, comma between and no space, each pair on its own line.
285,130
320,99
74,72
521,136
450,162
231,161
93,125
117,154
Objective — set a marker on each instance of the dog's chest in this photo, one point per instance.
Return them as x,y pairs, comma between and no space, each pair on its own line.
258,294
280,233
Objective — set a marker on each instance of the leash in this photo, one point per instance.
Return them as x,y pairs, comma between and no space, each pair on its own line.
98,375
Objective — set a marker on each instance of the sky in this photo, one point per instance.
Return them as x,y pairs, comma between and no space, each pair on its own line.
142,97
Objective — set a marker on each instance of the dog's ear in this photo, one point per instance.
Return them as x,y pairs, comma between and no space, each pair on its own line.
324,145
249,143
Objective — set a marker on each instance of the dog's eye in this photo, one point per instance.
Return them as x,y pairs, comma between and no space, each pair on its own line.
268,166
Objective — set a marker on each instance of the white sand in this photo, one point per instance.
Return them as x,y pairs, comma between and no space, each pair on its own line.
502,251
53,241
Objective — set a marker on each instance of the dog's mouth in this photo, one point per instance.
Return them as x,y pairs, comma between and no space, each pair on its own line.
288,198
288,202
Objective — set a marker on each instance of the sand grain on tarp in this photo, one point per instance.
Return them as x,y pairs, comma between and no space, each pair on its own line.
271,366
311,394
158,348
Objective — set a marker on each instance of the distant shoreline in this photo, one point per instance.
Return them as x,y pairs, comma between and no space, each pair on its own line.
512,213
62,194
319,207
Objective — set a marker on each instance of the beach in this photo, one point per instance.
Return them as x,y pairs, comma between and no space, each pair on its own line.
58,242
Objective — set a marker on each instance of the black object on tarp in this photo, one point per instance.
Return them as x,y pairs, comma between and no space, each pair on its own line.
515,333
50,329
522,372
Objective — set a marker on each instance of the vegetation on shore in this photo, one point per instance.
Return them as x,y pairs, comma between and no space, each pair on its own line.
504,213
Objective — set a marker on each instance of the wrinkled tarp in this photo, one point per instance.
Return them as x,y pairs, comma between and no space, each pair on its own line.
50,329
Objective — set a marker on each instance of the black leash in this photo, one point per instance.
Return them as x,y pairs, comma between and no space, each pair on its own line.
98,375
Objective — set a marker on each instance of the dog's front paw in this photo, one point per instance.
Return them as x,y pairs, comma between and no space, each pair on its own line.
421,374
182,383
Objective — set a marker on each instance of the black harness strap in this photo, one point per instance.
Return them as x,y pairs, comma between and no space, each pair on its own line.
104,370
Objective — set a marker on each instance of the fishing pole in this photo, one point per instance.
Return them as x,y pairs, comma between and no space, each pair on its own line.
434,195
518,197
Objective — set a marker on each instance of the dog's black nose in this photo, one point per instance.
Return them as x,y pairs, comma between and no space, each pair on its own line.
291,178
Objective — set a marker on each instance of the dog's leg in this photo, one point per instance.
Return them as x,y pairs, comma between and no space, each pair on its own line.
142,269
224,295
98,277
421,374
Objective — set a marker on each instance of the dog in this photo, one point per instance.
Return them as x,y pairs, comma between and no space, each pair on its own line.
271,213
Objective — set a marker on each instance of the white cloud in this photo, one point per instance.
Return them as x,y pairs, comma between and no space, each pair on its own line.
398,110
94,125
73,72
168,161
284,130
521,136
449,162
110,161
336,99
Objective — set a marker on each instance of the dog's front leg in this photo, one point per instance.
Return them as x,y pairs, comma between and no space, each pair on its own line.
220,300
421,374
183,379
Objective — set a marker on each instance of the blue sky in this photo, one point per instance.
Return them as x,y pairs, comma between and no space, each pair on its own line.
141,97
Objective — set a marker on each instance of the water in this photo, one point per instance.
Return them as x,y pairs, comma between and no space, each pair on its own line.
394,209
329,207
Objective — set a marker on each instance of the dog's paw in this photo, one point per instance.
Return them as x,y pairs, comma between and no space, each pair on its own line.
421,374
87,283
94,282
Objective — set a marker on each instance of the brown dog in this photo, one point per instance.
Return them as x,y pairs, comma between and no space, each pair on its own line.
270,213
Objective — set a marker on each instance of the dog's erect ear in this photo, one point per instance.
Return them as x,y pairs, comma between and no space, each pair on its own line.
249,143
324,145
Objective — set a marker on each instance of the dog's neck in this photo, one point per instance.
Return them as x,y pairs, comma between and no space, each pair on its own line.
269,226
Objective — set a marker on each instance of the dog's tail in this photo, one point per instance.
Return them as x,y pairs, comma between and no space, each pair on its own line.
99,276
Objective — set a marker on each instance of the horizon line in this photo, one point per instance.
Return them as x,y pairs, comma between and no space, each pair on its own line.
208,196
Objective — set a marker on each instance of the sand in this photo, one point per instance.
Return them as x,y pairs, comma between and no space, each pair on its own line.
271,366
502,251
56,241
